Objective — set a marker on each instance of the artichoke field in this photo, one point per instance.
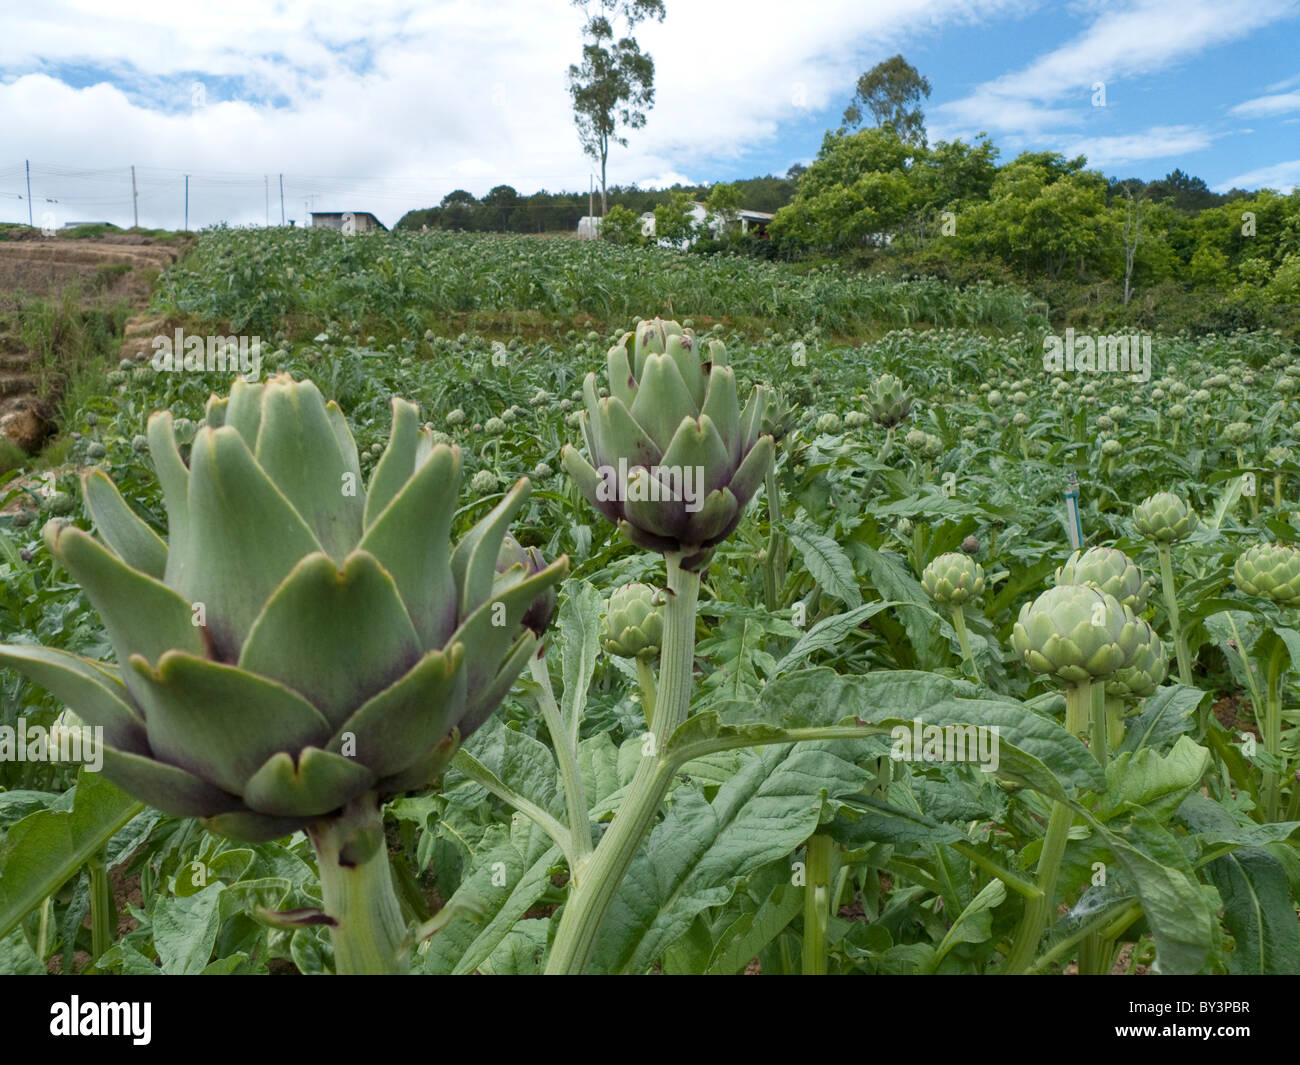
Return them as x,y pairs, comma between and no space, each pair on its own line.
358,715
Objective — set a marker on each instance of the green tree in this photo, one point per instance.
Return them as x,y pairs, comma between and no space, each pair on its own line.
622,226
458,210
500,204
724,204
674,221
857,192
891,91
613,86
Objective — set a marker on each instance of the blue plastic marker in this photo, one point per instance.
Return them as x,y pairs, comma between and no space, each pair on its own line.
1073,525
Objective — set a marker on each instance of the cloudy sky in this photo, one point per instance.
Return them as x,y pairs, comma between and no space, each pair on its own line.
387,105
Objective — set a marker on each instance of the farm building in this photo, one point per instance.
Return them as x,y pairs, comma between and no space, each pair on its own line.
755,221
361,220
589,226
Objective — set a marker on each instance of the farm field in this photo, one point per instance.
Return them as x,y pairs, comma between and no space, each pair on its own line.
879,718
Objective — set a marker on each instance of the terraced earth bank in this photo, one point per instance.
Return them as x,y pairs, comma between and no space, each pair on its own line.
57,297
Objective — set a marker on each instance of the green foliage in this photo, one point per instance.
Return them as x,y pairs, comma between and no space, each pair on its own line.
621,226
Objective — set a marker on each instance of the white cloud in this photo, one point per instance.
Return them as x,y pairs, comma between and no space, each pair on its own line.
1157,142
1120,43
1262,106
1281,176
421,99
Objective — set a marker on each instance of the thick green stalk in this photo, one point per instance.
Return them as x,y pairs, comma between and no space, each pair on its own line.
566,753
774,562
1098,742
817,903
645,675
1115,727
1171,607
103,912
959,623
590,898
352,855
1078,708
1037,910
1273,730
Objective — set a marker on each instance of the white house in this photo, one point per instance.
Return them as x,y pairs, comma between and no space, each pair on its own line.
757,220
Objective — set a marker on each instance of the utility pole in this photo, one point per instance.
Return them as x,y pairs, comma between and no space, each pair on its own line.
135,201
591,192
187,203
266,188
281,199
29,192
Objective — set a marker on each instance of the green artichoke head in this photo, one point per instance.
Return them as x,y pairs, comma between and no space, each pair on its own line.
953,578
1148,665
634,623
1109,570
1165,518
672,459
301,639
1075,633
888,401
1271,571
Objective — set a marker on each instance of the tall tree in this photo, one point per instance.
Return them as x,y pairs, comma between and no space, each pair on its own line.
613,86
892,92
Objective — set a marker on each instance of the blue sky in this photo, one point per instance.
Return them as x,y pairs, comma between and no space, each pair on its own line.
388,105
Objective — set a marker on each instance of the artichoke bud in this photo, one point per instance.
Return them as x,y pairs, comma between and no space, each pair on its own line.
953,578
301,639
1147,667
634,623
1271,571
888,401
671,457
1075,633
1165,518
1110,571
515,563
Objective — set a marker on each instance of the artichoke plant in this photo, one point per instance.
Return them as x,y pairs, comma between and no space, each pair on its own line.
1271,571
953,578
302,646
950,580
634,623
634,628
1165,519
888,401
673,458
1110,571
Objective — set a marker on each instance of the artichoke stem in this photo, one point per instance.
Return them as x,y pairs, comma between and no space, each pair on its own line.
1038,908
352,855
774,563
1114,722
645,674
817,903
1273,731
103,911
959,623
591,896
1171,607
1277,490
1078,708
1098,742
565,741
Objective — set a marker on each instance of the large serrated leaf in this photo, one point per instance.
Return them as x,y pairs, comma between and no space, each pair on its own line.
44,849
